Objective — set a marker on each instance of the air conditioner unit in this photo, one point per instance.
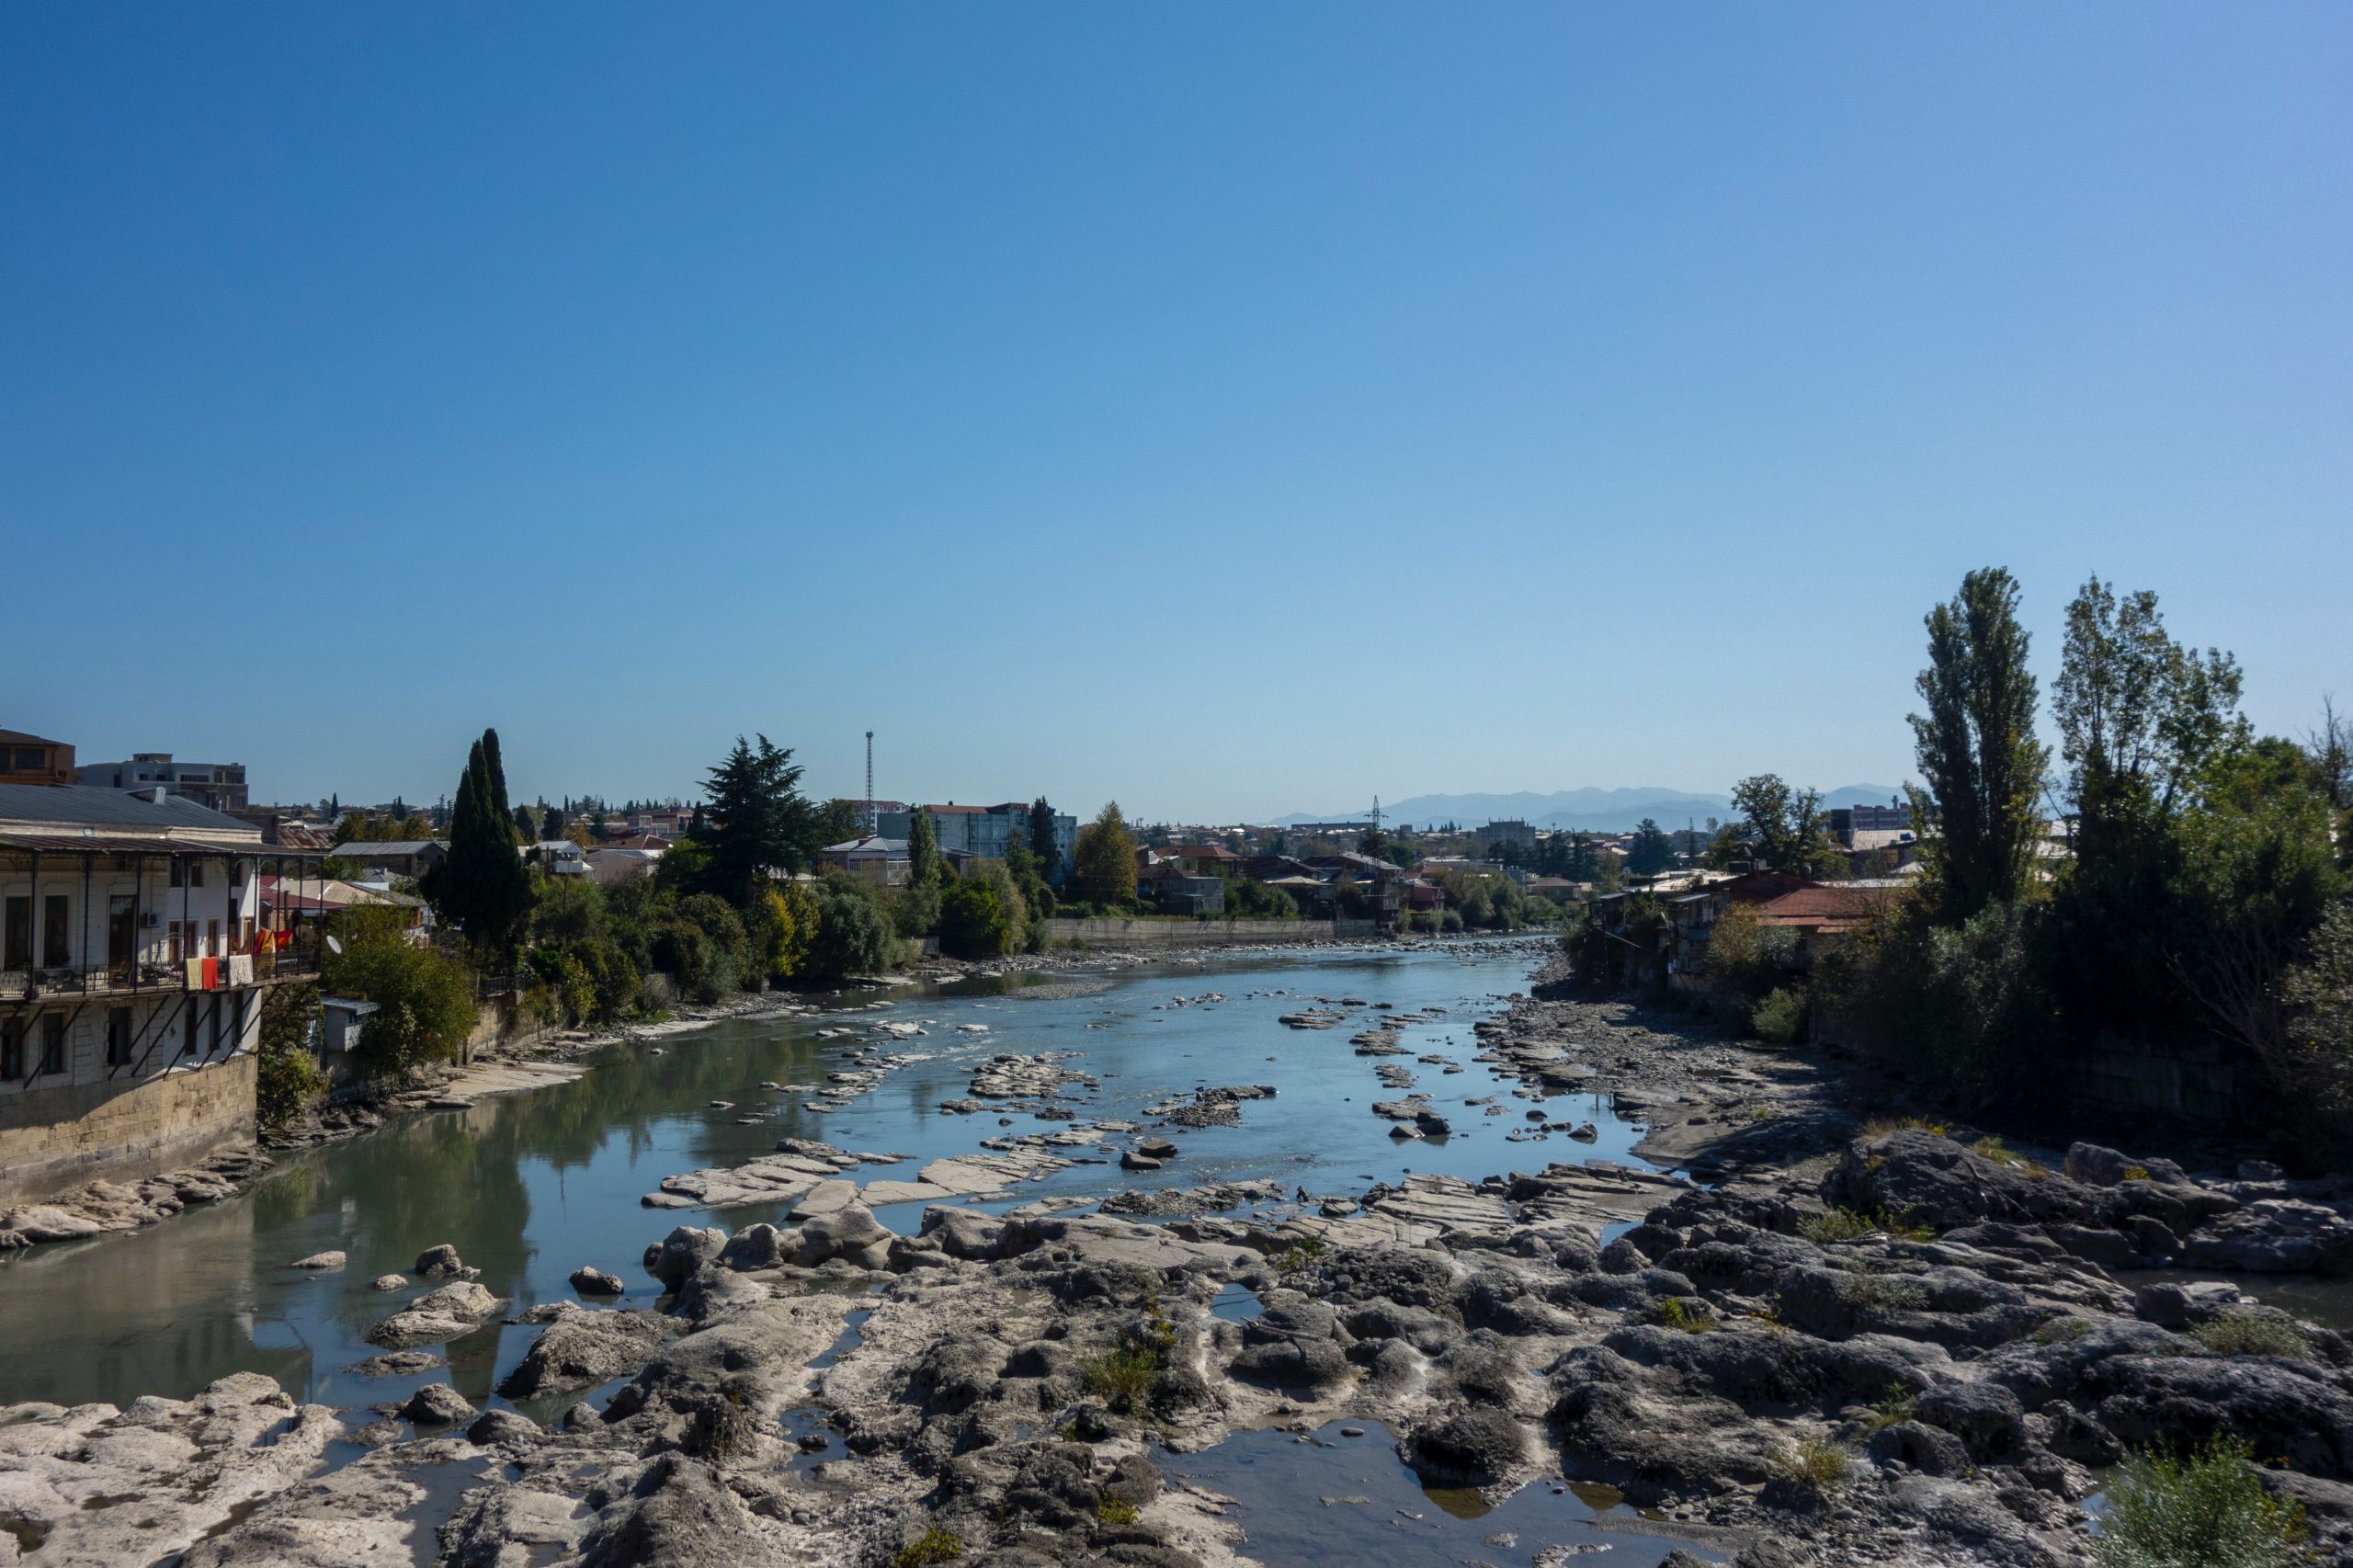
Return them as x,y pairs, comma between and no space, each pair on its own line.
150,920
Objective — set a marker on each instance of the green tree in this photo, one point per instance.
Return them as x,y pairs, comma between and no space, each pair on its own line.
754,821
1976,746
923,850
1651,851
1043,841
424,999
854,936
1106,859
1784,828
2139,714
287,1073
482,887
974,921
838,822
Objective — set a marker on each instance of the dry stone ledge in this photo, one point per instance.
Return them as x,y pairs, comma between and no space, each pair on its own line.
97,1485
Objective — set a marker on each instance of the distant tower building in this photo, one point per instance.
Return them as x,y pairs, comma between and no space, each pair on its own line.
866,816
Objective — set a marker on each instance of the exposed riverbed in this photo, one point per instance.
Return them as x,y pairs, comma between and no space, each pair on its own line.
529,1187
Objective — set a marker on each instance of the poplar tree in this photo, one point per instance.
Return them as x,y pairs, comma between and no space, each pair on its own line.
922,849
1041,840
1976,746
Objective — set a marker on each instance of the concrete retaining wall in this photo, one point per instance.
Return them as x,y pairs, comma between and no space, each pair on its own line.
104,1132
1181,932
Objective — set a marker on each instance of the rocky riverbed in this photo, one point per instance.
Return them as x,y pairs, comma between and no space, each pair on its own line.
1874,1341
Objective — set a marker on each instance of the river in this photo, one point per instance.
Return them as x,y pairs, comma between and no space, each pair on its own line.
531,1187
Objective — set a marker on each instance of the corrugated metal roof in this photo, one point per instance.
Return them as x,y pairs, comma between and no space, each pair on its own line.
51,842
110,808
360,848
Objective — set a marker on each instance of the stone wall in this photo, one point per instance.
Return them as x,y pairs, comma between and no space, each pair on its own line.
2196,1084
1180,932
61,1139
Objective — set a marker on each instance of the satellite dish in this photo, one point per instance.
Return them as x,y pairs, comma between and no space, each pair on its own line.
334,946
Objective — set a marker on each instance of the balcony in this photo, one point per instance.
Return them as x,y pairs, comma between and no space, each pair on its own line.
237,972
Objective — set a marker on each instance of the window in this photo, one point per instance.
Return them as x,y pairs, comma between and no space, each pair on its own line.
31,756
12,1050
187,1043
179,878
53,1045
117,1037
172,943
214,1048
212,938
56,953
16,946
196,873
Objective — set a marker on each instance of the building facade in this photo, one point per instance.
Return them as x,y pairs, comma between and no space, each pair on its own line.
985,830
219,785
132,961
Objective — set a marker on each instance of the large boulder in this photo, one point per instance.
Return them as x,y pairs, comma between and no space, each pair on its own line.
1924,1178
441,1262
582,1349
850,1231
438,1404
1471,1447
674,1260
755,1248
2288,1410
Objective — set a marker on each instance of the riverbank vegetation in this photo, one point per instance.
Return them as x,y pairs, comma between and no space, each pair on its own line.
2163,882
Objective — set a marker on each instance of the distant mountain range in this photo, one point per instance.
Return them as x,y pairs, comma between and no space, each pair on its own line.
1596,811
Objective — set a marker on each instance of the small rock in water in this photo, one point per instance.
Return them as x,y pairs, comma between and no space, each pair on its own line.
1358,1432
389,1282
594,1281
439,1262
438,1404
319,1260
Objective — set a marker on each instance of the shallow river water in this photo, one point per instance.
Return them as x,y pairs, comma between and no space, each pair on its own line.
529,1187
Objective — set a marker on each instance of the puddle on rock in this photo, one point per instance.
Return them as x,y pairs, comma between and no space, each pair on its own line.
1327,1499
1237,1303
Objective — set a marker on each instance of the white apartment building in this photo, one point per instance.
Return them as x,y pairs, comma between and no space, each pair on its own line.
132,958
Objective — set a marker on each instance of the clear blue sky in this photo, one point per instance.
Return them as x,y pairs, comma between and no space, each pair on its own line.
1232,409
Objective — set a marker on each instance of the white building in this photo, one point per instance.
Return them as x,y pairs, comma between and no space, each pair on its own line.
131,962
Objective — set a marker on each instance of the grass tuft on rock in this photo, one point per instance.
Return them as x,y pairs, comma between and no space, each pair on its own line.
1898,1404
933,1546
2254,1334
1123,1377
1677,1312
2206,1509
1814,1463
1116,1511
1852,1225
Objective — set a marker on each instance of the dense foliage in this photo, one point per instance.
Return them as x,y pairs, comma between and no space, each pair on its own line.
1107,860
287,1073
424,998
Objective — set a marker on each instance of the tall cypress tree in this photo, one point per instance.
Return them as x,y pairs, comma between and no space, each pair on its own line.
484,888
495,773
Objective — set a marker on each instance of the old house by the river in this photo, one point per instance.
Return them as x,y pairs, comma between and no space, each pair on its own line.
132,959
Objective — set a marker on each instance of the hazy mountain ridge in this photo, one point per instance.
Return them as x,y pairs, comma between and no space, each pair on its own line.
1596,811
